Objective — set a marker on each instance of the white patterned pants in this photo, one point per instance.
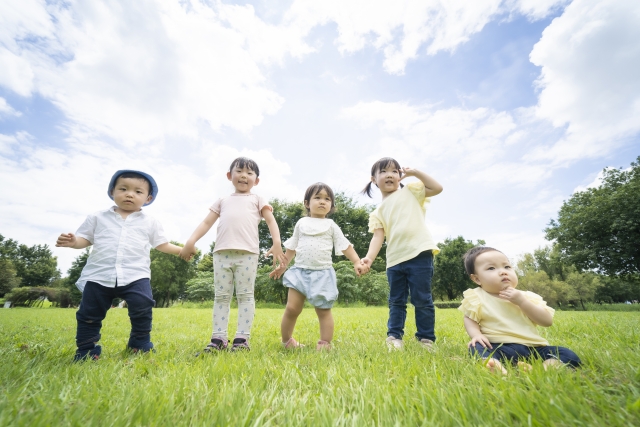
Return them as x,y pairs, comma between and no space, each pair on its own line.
234,268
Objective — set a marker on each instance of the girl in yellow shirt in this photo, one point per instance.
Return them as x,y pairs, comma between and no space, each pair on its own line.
410,248
500,320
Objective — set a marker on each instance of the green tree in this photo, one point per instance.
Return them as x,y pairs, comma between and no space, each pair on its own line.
8,277
35,265
549,260
169,275
348,286
206,263
374,288
200,288
584,286
73,275
614,289
353,220
599,228
287,215
450,278
268,289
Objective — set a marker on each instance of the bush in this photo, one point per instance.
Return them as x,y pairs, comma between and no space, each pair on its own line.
34,297
200,288
447,304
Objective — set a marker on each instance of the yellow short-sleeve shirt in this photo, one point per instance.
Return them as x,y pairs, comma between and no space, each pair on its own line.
502,321
401,215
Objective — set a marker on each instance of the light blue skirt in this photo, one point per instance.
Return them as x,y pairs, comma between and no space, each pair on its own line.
320,287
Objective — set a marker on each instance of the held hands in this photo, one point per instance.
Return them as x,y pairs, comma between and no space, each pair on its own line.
187,252
67,240
361,268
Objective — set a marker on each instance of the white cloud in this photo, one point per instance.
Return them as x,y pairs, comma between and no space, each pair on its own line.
141,71
590,57
400,29
52,191
479,144
8,110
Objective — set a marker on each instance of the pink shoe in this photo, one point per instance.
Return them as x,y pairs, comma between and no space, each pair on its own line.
323,345
292,343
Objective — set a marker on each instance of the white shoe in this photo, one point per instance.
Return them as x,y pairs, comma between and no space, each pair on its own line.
427,344
394,343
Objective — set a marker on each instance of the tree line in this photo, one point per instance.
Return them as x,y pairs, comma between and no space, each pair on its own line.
593,257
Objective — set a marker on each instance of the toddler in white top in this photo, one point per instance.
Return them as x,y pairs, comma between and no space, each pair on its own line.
235,256
119,264
312,277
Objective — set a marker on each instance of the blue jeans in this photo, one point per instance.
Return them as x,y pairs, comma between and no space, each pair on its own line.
412,277
96,300
511,353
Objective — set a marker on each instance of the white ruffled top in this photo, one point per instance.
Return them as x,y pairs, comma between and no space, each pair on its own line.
313,240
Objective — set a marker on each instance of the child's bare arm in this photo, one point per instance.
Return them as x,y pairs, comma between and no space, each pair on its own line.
473,329
280,269
189,248
431,186
537,313
374,247
358,265
69,240
276,248
169,248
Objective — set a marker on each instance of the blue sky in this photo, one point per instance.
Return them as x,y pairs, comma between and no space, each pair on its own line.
512,105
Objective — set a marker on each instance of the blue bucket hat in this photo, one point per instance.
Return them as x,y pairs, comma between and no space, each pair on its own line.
154,186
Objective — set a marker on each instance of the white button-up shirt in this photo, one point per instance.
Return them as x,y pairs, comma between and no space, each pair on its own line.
120,247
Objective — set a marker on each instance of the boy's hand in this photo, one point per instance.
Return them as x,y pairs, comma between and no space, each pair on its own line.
187,252
66,240
513,295
277,254
278,271
479,339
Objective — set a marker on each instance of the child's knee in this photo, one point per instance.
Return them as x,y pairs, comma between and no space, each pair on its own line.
293,310
568,357
222,298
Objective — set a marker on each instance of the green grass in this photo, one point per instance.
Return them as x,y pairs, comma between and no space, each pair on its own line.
358,383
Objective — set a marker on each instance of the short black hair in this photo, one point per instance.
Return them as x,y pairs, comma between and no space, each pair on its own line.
377,167
315,189
131,175
244,162
471,255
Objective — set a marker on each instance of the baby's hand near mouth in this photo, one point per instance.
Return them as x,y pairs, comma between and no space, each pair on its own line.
512,295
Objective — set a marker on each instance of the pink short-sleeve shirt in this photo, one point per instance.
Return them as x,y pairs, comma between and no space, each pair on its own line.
240,215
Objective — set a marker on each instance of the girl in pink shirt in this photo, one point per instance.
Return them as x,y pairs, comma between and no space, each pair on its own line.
235,257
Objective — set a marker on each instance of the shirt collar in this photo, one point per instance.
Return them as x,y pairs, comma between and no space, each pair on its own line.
113,209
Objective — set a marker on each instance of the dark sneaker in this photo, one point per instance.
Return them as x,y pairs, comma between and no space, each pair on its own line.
240,344
89,354
216,344
144,348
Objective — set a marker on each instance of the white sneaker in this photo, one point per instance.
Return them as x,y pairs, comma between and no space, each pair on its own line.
427,344
394,343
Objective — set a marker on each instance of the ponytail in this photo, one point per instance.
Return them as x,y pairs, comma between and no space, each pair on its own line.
367,190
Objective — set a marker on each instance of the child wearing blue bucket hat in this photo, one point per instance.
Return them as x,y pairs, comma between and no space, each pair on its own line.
119,264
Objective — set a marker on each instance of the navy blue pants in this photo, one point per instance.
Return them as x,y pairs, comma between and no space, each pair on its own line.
513,352
96,301
412,277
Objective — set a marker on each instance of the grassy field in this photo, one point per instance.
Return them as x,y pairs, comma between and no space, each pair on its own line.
358,383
